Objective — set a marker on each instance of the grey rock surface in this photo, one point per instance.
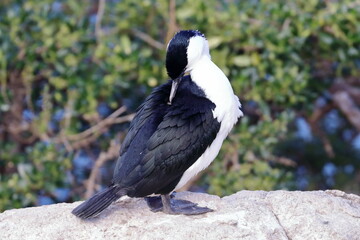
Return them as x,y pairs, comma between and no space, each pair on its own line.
245,215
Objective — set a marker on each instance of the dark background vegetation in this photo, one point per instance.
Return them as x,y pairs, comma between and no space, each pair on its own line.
72,74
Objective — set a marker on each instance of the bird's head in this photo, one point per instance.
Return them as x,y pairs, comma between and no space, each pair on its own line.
184,50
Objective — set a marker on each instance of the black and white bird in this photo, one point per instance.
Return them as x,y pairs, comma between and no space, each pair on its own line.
176,132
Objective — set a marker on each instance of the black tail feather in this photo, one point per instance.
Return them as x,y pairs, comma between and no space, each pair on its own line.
97,203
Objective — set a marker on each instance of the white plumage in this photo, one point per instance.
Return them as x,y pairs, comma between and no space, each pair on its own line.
217,89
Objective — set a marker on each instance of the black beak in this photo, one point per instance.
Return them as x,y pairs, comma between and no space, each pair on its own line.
174,86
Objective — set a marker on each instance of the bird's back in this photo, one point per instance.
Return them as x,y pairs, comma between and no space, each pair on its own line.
164,140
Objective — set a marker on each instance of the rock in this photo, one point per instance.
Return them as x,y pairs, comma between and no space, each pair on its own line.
244,215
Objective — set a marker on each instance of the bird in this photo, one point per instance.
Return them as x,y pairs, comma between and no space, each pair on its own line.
176,133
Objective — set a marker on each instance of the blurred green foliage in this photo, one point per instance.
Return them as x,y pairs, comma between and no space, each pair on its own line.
63,69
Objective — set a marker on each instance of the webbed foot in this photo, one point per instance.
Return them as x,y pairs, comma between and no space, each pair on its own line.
168,204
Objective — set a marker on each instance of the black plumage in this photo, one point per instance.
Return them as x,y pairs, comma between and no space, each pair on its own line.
162,143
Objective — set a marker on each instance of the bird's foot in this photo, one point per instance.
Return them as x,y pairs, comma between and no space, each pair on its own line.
154,203
170,205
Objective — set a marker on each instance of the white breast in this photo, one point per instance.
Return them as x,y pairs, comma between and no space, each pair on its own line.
227,111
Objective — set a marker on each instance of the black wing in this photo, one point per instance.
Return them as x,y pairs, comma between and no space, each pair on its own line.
146,120
166,140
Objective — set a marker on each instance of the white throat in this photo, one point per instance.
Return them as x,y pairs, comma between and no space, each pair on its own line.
217,89
212,80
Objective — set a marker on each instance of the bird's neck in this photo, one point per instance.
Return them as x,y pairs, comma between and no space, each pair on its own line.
215,84
211,79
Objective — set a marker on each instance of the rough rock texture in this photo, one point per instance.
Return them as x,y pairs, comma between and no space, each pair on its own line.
244,215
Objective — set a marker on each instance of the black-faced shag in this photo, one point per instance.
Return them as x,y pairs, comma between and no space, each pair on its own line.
176,132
